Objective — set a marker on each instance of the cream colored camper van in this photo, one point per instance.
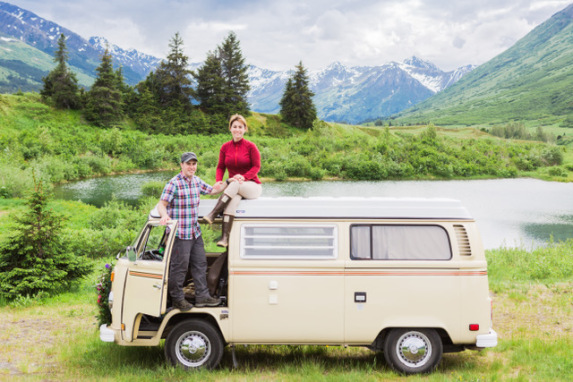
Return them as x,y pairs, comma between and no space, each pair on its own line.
407,277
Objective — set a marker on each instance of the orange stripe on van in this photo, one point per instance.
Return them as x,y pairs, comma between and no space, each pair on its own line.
360,273
143,274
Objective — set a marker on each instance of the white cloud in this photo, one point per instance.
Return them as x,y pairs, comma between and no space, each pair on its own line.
279,34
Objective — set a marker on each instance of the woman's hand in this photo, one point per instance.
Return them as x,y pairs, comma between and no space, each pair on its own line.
239,178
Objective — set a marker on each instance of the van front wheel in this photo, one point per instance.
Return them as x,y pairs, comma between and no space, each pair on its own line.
194,344
412,351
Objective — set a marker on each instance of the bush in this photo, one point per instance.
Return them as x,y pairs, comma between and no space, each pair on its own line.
153,189
552,155
35,261
557,171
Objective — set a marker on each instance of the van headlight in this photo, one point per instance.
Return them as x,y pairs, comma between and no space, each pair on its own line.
110,300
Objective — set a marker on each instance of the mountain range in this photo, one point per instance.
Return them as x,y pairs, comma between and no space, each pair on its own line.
343,94
531,81
360,93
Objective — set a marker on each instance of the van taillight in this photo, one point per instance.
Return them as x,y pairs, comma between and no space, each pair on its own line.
474,327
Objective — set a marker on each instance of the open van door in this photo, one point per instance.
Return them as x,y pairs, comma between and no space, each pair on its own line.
145,289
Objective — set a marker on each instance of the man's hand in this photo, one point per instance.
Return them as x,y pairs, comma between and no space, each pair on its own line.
162,209
219,187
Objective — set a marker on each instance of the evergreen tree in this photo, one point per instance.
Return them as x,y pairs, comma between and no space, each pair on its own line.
211,85
103,105
236,79
34,260
296,103
61,84
128,94
173,77
147,113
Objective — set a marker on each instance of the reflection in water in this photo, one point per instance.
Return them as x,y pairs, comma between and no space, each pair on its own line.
98,191
510,212
560,230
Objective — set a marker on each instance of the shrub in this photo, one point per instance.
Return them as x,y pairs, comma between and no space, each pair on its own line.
35,261
557,171
153,189
552,155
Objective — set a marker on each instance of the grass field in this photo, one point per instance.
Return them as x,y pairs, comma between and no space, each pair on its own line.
57,338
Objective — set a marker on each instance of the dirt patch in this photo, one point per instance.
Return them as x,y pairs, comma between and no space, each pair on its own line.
540,312
31,338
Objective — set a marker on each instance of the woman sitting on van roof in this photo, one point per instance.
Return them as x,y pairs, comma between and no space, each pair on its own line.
242,159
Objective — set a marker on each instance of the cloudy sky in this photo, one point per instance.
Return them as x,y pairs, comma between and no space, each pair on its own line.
277,34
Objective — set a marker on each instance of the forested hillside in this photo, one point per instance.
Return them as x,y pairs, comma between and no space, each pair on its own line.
59,146
531,81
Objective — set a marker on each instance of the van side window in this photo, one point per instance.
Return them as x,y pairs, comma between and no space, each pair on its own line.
289,241
399,242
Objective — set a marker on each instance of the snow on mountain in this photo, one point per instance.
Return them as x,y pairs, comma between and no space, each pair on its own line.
83,54
356,94
344,94
136,60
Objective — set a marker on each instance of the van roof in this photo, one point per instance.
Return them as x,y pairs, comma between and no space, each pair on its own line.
346,207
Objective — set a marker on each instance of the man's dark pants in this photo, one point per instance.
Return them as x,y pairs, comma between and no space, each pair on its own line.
188,254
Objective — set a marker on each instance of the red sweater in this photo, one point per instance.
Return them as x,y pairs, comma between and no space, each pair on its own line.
241,158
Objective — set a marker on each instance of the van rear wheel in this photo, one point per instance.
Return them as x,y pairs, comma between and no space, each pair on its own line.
412,351
194,344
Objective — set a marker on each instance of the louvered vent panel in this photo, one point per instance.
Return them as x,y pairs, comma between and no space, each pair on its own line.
463,240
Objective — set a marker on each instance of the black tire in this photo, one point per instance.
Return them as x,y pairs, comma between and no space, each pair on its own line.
413,351
194,344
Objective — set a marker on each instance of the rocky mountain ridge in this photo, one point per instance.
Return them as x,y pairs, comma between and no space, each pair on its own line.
342,94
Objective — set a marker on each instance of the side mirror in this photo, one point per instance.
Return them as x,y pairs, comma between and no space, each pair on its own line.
130,253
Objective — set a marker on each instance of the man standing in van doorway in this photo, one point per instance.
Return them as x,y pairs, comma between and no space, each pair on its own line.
180,200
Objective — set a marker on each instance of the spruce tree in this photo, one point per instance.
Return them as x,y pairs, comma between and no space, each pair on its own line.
103,105
34,260
173,77
297,107
128,95
61,84
211,85
236,79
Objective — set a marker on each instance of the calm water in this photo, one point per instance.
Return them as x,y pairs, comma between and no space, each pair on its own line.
510,212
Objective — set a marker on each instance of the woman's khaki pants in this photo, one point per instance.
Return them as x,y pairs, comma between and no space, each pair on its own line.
237,191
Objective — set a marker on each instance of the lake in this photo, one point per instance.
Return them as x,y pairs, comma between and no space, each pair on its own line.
509,212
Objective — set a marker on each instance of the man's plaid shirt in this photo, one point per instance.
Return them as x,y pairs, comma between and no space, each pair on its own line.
182,194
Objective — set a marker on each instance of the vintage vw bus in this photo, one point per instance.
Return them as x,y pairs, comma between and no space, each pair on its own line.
404,276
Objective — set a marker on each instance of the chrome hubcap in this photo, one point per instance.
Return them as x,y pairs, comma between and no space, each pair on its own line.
193,349
414,349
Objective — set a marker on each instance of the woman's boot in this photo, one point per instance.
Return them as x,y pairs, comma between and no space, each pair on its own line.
227,224
219,207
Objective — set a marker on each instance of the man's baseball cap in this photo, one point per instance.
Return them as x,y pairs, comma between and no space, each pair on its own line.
186,157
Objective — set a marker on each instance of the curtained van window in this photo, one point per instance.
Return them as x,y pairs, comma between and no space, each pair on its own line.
399,242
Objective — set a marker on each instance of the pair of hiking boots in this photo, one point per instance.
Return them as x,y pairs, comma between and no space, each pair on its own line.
185,305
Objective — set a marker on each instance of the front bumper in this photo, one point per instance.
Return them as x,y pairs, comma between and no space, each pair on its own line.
106,334
487,340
